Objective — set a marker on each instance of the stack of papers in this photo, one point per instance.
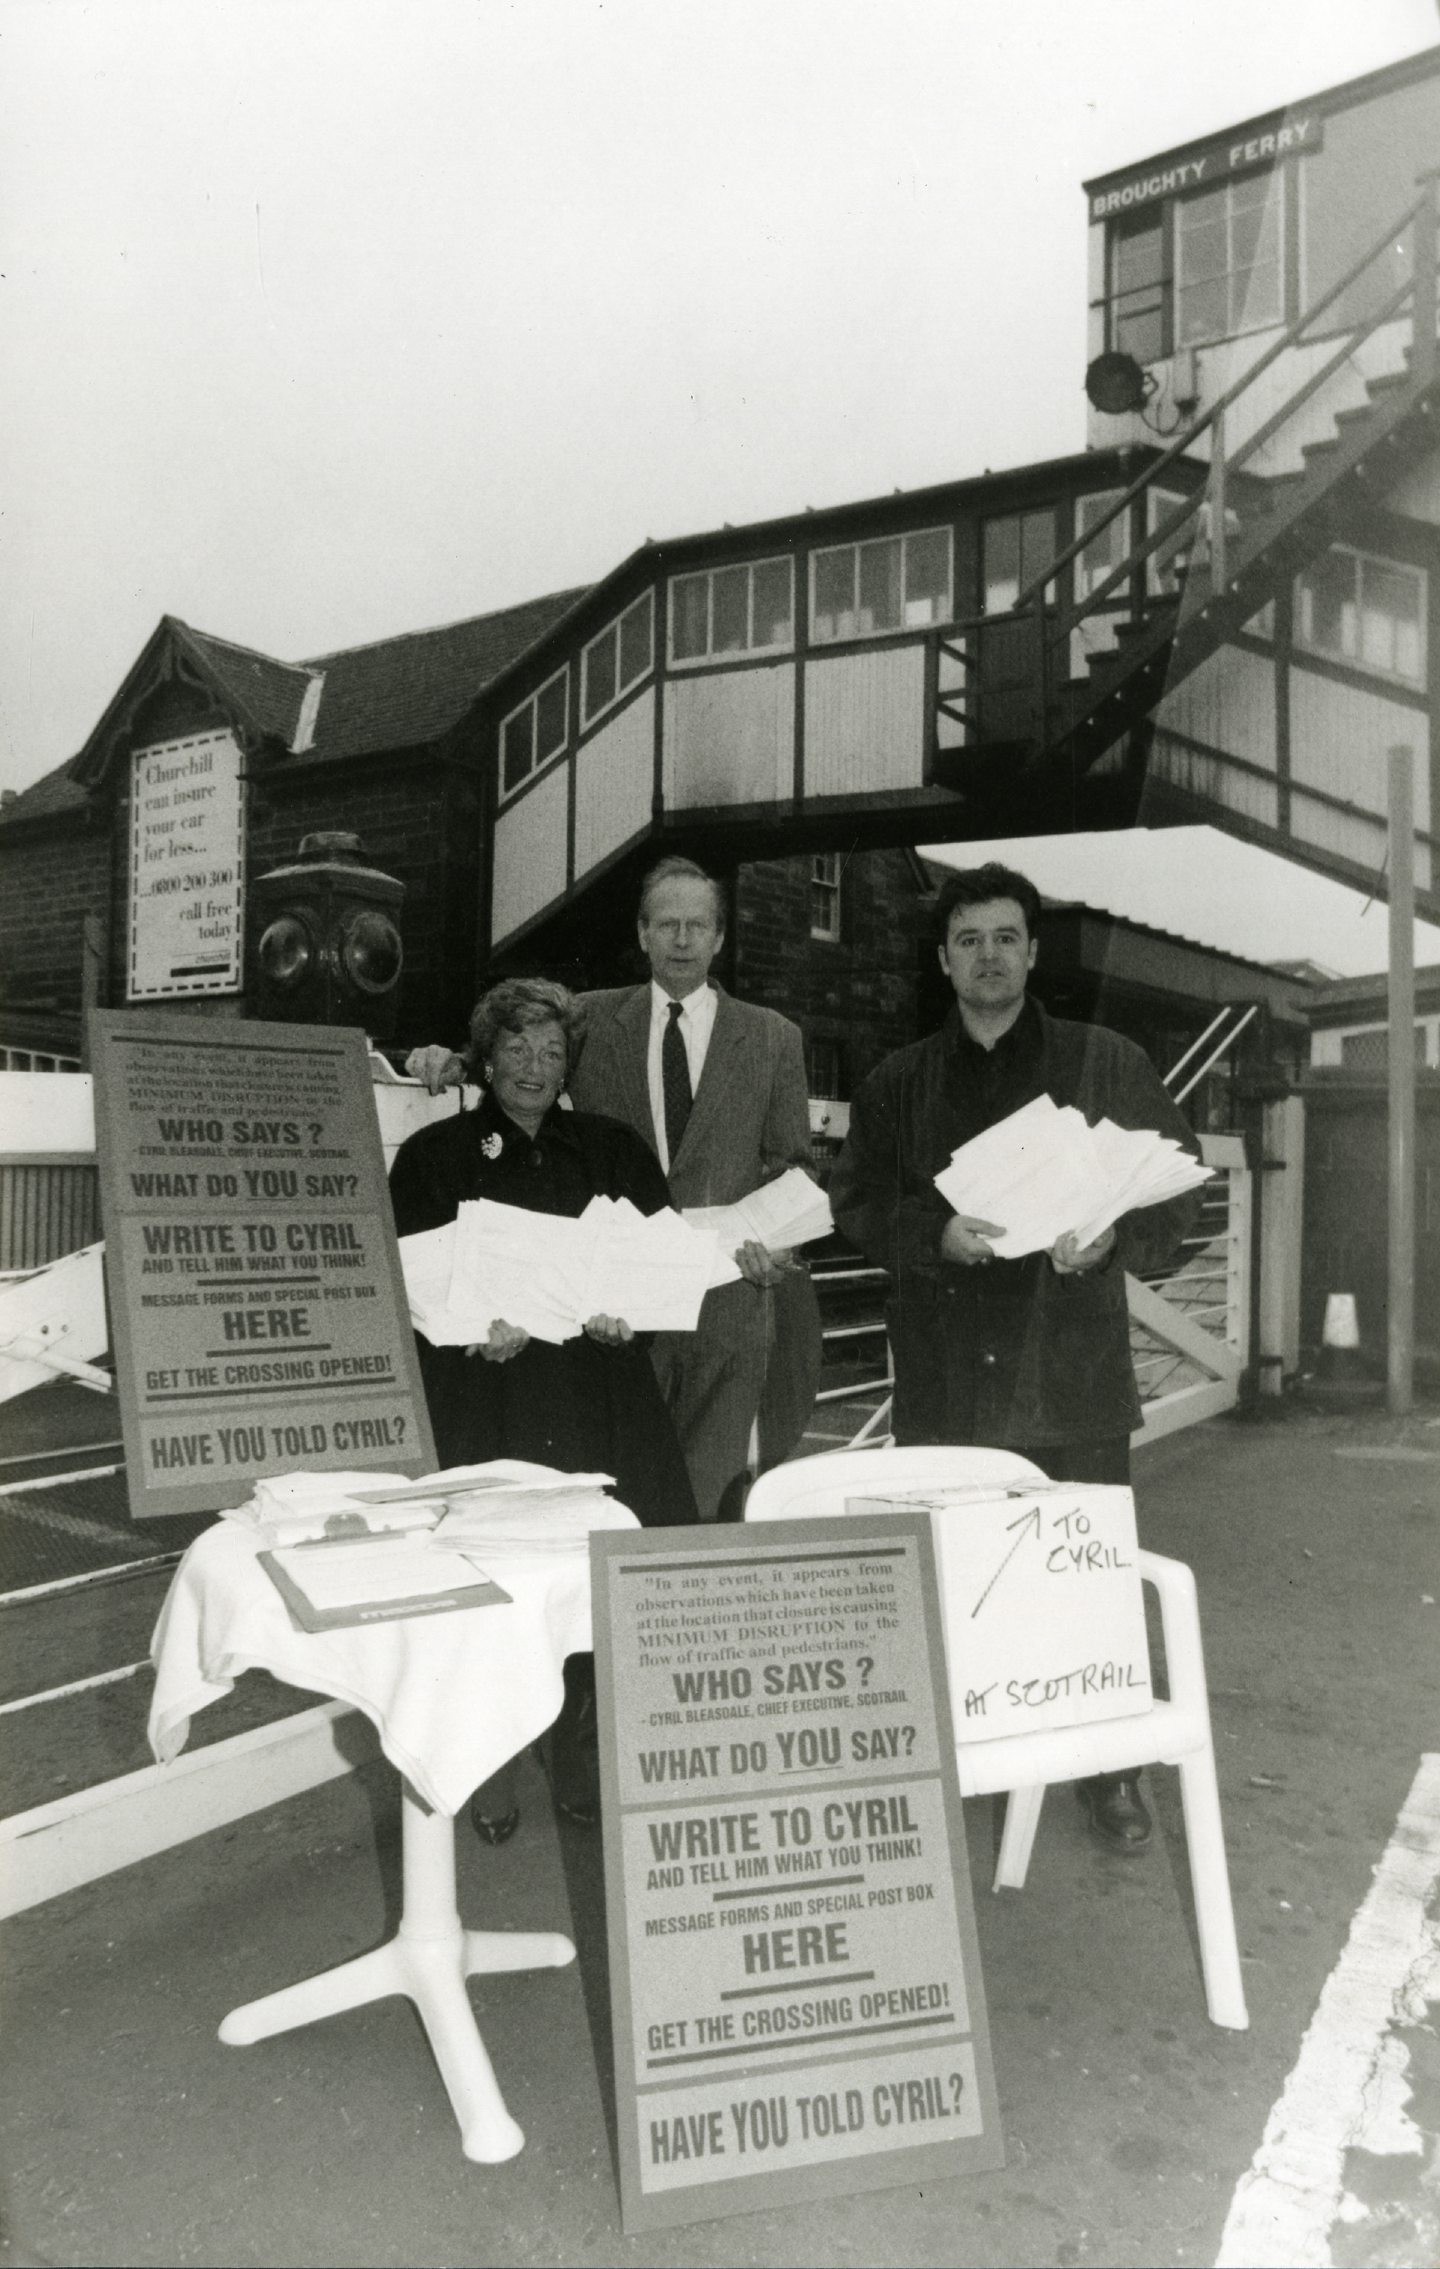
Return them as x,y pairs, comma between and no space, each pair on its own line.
549,1274
500,1527
780,1214
293,1508
510,1505
425,1546
1046,1171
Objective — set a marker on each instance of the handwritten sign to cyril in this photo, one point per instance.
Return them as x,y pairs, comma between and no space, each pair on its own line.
1044,1610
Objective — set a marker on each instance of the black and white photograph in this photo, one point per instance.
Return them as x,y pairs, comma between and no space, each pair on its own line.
719,1134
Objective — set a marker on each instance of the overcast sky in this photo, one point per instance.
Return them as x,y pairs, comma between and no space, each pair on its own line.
326,319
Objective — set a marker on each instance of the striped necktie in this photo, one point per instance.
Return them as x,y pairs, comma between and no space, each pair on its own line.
675,1081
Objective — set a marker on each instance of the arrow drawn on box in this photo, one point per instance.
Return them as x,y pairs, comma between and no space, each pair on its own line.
1022,1524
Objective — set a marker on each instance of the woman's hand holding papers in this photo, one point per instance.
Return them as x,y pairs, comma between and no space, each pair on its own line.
1068,1257
963,1240
505,1340
611,1331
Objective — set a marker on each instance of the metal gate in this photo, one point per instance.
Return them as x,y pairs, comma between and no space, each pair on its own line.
1189,1331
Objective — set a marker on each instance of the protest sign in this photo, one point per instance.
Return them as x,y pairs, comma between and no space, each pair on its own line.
795,1984
257,1308
1041,1583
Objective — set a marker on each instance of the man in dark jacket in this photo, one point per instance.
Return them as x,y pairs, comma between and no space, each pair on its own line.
1031,1355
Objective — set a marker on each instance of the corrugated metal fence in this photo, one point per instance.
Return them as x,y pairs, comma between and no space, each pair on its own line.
48,1207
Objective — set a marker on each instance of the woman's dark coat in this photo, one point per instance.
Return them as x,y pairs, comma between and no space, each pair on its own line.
582,1407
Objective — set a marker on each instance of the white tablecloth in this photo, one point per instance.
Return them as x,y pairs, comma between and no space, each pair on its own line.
451,1696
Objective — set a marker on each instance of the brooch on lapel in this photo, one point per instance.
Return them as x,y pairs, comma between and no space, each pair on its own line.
492,1145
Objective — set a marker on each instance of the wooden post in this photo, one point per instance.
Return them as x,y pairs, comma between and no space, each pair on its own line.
1401,1145
1422,237
92,973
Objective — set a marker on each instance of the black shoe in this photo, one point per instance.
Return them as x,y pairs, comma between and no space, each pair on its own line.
575,1774
496,1830
575,1783
1116,1811
584,1811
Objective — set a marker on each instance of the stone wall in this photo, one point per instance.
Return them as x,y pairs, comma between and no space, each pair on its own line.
866,993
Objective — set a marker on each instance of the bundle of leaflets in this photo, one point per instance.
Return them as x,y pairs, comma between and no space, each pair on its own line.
294,1508
1045,1171
458,1520
549,1274
789,1211
511,1505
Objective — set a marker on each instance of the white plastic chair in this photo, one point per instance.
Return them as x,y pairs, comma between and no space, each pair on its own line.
1175,1732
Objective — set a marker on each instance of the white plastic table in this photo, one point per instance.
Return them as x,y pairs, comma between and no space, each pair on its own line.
452,1696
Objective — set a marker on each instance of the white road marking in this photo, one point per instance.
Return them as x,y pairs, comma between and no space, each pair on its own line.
76,1686
1285,2204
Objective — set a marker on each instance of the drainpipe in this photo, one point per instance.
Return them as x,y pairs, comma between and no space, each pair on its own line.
1401,1287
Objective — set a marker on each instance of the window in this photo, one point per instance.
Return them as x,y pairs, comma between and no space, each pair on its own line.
827,1070
732,610
1105,551
1139,286
896,583
622,653
1228,261
1196,269
1161,576
1016,550
534,732
1368,612
1370,1050
825,873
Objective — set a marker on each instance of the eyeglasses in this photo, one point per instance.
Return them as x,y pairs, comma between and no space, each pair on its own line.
515,1048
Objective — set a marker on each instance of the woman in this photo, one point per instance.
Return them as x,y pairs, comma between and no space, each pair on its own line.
590,1405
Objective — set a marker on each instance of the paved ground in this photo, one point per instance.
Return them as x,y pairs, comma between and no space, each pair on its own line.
132,2136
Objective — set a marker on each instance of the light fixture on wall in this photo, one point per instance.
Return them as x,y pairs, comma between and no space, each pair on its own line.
1117,386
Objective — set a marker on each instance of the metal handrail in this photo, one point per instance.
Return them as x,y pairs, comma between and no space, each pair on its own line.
1227,1042
1290,337
1317,378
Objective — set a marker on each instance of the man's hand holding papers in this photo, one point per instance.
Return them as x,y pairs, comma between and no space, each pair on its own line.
1057,1184
760,1230
1068,1257
968,1240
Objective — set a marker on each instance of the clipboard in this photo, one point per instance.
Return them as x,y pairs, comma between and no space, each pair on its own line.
479,1591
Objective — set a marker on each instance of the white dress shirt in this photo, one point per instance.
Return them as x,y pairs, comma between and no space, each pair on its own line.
697,1022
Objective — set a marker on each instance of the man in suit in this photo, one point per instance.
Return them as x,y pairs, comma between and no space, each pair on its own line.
717,1088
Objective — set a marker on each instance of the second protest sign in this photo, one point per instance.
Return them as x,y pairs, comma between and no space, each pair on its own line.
795,1981
256,1301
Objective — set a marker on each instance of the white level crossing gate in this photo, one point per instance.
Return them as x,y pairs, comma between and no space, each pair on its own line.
1190,1331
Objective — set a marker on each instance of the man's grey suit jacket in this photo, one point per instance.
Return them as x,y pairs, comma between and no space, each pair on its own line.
755,1354
750,1118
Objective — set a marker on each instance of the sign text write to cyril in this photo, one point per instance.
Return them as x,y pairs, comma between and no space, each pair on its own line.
789,1897
254,1282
